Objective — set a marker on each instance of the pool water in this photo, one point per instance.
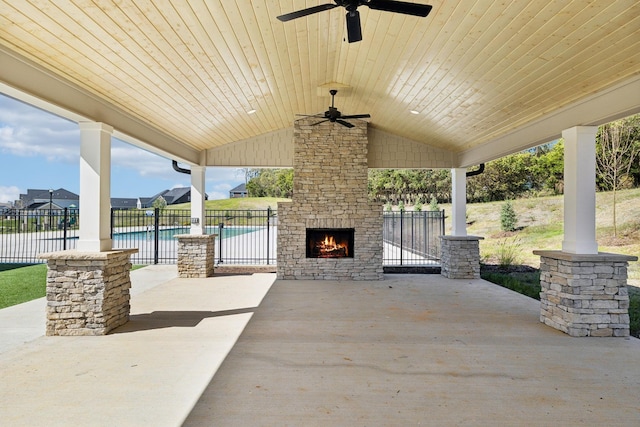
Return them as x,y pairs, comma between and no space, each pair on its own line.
168,234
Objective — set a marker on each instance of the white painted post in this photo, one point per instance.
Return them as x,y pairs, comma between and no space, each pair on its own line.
580,190
95,187
197,200
459,201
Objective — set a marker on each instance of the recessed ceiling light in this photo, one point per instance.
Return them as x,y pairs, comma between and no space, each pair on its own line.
414,112
251,111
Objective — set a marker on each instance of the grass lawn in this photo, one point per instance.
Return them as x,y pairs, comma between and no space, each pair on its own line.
21,283
24,282
240,203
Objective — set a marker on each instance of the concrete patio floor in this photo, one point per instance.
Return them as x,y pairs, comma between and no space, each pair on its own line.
248,350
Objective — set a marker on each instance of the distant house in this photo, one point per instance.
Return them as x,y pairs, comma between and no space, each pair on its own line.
122,203
5,208
145,202
172,197
48,199
178,195
239,191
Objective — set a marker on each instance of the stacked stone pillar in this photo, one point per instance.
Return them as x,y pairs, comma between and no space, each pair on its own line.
87,292
196,255
460,257
585,295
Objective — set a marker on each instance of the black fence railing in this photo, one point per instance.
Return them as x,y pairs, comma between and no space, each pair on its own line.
26,233
412,238
246,237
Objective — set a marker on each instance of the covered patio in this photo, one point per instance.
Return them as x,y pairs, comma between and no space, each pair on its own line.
216,83
249,350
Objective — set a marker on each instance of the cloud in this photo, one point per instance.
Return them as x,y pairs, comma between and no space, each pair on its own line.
215,195
27,131
9,194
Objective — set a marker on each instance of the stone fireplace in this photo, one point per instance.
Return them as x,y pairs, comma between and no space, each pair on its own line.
330,230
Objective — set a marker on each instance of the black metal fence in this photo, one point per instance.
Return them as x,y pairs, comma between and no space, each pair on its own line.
412,238
26,233
243,236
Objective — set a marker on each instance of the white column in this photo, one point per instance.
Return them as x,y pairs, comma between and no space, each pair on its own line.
95,187
580,190
197,199
459,201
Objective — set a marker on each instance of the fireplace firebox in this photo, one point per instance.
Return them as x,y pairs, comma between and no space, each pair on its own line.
330,242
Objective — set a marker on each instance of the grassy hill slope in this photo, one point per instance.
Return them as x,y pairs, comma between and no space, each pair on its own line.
540,226
237,203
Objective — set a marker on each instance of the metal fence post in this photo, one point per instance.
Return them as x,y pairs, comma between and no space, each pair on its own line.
156,236
220,227
401,233
268,226
64,229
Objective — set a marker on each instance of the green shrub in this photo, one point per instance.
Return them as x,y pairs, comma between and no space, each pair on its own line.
508,217
388,207
401,206
418,206
433,204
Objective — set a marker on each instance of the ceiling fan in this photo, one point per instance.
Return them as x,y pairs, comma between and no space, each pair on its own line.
354,30
334,116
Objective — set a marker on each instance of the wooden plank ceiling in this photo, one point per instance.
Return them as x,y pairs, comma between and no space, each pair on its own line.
474,70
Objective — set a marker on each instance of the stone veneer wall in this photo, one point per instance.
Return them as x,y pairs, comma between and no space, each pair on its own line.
585,295
196,255
460,257
330,191
87,292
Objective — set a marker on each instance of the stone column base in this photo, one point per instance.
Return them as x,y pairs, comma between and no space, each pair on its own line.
460,257
196,255
87,292
585,295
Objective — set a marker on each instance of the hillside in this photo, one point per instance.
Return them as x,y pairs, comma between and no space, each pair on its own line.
237,203
540,227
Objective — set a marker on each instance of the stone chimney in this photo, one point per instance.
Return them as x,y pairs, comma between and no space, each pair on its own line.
330,192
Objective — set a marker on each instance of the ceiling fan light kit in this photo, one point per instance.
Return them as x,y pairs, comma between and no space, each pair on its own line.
354,28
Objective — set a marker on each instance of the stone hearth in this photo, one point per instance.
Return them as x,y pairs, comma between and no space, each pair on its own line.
330,192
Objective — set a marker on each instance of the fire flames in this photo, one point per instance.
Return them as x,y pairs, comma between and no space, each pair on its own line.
328,247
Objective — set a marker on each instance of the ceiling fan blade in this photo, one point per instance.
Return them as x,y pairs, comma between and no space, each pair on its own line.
343,123
357,116
304,12
407,8
310,115
317,123
354,30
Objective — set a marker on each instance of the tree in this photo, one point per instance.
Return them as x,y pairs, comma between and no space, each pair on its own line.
271,183
508,217
159,203
616,150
